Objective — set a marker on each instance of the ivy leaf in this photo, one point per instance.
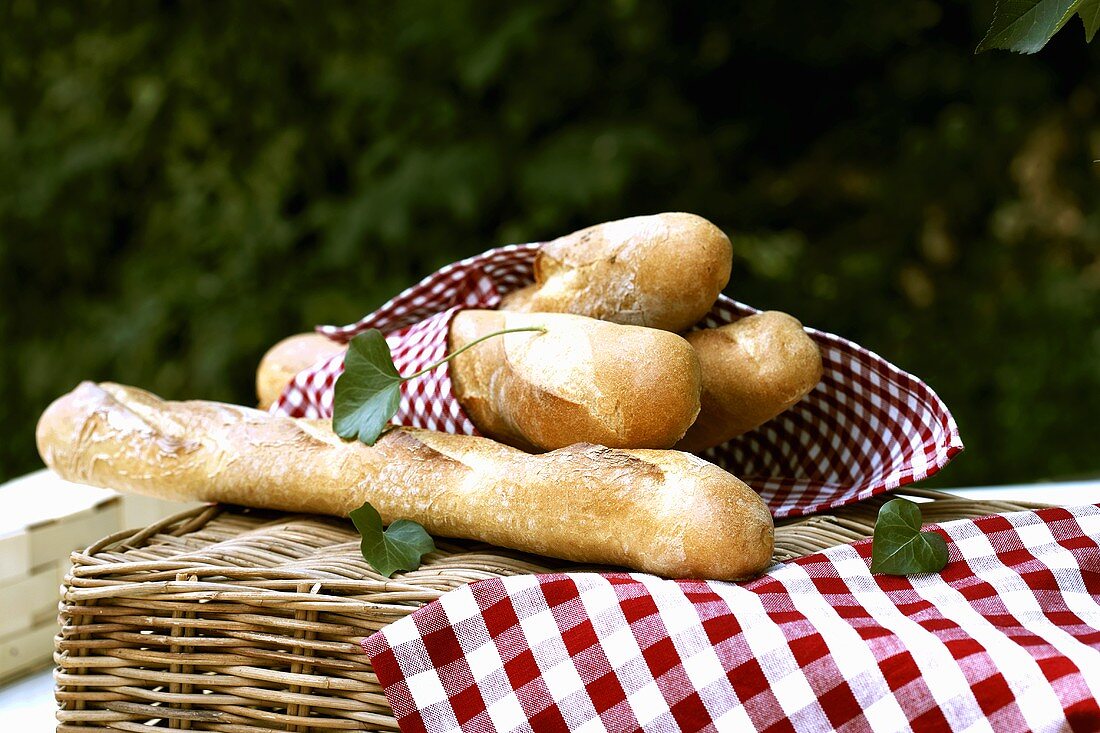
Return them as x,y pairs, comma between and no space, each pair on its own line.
1025,26
399,547
899,547
1089,10
366,396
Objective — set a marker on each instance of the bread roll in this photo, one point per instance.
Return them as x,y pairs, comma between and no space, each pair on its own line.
753,369
663,271
583,381
663,512
288,357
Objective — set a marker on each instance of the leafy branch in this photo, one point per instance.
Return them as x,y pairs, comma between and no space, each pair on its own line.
366,396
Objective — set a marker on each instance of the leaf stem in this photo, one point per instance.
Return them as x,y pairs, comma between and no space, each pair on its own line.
475,342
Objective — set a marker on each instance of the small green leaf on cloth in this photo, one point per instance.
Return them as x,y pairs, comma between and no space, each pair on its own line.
366,396
399,547
1025,26
899,547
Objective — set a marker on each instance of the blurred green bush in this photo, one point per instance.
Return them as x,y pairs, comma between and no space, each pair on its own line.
182,184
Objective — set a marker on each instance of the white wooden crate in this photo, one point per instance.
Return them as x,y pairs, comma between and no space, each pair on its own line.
42,520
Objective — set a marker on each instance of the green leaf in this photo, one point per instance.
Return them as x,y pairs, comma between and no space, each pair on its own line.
1025,26
899,547
1089,10
367,394
399,547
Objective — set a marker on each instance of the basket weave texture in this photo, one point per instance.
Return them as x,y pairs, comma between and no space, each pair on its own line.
237,620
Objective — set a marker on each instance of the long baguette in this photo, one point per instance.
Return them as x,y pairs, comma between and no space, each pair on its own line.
582,380
663,271
663,512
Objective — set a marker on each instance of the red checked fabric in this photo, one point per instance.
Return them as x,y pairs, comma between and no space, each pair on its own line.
868,427
1006,638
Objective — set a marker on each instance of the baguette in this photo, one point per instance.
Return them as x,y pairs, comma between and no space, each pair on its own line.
753,369
663,271
663,512
288,357
582,380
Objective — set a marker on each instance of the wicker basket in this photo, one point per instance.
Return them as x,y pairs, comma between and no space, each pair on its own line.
236,620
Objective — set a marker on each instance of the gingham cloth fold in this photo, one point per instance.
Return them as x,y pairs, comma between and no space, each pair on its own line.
868,427
1006,638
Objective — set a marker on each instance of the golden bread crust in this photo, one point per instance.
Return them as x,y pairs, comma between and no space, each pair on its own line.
664,512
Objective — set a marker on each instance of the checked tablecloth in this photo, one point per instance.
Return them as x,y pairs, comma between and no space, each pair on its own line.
1006,638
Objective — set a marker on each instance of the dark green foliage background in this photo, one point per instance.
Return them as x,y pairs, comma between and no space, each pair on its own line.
182,184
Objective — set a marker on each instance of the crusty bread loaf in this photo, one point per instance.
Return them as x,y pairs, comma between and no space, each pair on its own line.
582,380
664,512
753,369
662,271
288,357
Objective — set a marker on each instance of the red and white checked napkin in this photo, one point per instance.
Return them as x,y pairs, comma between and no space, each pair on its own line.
1006,638
868,427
